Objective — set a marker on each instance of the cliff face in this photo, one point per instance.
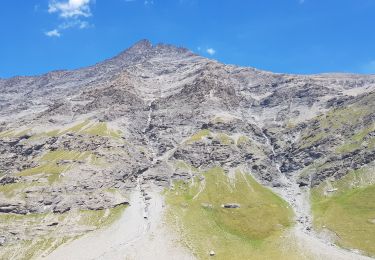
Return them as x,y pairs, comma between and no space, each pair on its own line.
80,140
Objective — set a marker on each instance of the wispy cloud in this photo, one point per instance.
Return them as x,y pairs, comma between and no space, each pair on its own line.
211,51
72,8
74,14
53,33
148,2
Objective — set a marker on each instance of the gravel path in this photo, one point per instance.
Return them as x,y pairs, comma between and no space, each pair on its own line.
139,234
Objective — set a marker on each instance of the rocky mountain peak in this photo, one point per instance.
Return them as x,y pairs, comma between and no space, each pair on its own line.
140,47
160,116
145,49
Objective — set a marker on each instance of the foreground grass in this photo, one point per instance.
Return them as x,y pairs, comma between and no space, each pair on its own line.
349,212
252,231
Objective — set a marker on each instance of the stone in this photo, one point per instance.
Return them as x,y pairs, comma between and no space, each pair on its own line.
2,240
207,205
231,205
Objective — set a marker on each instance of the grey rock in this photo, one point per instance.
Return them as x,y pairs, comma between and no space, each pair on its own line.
231,205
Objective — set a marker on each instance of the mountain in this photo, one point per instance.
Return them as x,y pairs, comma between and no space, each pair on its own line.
249,163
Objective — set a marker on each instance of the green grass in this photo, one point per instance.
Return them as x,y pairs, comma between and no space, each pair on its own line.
59,155
13,189
249,232
225,139
99,218
199,136
358,141
50,167
310,140
77,128
349,212
13,133
87,127
179,164
243,140
96,129
335,121
338,118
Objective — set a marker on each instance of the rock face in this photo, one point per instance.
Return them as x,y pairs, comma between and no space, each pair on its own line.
69,139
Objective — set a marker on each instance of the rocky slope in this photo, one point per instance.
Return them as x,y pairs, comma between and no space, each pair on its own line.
77,141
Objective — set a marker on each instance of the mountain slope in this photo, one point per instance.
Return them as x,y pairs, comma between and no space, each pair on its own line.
79,142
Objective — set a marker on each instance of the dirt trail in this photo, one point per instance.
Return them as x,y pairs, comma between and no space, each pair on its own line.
139,234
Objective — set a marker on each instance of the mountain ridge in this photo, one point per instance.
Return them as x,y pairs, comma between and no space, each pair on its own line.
160,115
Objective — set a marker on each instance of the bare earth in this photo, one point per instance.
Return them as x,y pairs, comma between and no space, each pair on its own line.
131,237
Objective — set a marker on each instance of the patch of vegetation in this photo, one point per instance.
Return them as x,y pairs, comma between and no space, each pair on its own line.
311,139
31,249
94,128
86,127
199,136
101,218
77,128
101,129
349,211
225,139
339,118
60,155
51,166
249,232
358,140
13,189
243,140
179,164
335,121
13,133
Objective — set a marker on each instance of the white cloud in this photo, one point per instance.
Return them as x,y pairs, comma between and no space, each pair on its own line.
71,8
148,2
53,33
211,51
76,23
73,13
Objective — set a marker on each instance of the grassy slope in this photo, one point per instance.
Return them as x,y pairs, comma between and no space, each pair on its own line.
50,167
250,232
335,121
49,163
350,211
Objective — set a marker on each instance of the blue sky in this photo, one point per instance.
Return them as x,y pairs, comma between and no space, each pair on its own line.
291,36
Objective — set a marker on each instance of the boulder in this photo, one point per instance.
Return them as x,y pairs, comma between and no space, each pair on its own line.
231,205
